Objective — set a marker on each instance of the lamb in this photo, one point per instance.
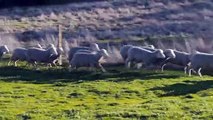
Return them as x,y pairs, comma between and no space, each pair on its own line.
41,55
141,55
83,59
125,48
200,61
19,54
3,50
93,47
181,58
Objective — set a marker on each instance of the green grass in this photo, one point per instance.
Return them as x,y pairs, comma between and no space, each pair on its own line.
55,93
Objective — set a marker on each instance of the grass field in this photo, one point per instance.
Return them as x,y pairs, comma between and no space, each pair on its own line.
55,93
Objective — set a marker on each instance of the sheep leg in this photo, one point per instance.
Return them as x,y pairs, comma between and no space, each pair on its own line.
190,72
162,68
49,65
15,63
35,65
8,64
102,68
70,68
127,63
199,72
139,65
185,70
54,64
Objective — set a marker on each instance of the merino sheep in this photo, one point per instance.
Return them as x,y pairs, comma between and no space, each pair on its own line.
83,59
200,61
125,48
41,55
3,50
181,58
19,54
93,47
141,55
159,62
124,51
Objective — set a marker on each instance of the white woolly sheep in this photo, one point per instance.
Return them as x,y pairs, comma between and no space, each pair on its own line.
3,50
141,55
159,62
19,54
83,59
124,50
54,58
40,55
169,54
93,47
181,58
200,61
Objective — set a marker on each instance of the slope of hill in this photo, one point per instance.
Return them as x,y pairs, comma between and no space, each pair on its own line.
114,19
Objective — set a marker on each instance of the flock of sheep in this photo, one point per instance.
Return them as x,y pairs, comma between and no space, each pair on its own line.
148,55
140,56
77,56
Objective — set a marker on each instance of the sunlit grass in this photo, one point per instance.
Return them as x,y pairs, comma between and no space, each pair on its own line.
55,93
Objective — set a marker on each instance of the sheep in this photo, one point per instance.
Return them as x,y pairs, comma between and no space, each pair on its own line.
125,48
93,47
41,55
138,55
200,61
54,58
19,54
3,50
181,58
124,51
169,54
83,59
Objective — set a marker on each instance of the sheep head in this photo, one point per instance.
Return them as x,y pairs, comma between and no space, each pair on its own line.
60,50
104,53
5,49
159,53
53,50
95,47
169,53
151,46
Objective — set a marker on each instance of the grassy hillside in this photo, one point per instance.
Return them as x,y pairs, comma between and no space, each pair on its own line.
118,94
190,21
114,19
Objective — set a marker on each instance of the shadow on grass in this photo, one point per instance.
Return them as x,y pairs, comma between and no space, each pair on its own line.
188,87
53,75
